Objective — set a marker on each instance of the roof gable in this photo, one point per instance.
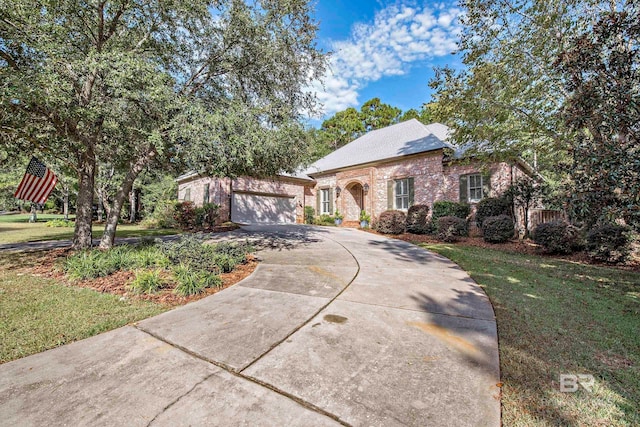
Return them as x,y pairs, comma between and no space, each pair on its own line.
402,139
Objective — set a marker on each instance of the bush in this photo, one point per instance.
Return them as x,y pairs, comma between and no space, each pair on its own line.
163,215
59,223
192,252
444,208
324,219
391,222
452,227
417,222
492,207
206,216
609,243
498,229
192,282
557,237
309,215
185,215
146,282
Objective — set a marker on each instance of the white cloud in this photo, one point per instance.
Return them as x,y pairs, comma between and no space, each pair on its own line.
399,36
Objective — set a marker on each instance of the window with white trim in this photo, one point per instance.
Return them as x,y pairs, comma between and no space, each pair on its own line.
402,194
324,201
475,188
187,194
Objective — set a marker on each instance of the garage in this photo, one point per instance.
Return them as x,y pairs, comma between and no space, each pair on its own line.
255,208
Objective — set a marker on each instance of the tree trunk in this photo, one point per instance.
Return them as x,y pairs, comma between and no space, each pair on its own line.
100,205
65,201
132,202
84,209
109,235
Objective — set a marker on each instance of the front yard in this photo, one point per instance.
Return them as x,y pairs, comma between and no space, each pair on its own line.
17,228
560,317
51,298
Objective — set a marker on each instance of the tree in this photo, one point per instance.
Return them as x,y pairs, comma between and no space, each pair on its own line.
555,83
525,194
376,115
213,85
342,128
601,69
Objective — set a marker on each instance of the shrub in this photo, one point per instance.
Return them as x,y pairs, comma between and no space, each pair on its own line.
452,227
492,207
146,282
206,216
498,229
59,223
185,215
417,222
557,237
446,208
192,252
324,219
391,222
192,282
163,215
309,215
610,243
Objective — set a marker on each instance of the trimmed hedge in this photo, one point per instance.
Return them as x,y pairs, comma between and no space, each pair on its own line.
446,208
498,229
391,222
309,215
417,222
492,207
557,237
452,227
609,243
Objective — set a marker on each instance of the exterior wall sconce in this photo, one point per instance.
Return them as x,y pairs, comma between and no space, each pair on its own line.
365,187
338,191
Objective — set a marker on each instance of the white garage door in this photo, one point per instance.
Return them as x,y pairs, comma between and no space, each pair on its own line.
262,209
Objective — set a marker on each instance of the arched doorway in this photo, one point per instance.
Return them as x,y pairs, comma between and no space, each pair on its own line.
353,201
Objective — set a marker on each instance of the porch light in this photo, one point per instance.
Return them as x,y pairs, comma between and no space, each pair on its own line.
338,190
365,187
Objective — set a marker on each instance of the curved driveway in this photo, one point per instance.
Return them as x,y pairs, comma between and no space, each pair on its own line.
335,327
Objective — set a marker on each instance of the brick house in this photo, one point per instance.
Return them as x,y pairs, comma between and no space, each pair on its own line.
391,168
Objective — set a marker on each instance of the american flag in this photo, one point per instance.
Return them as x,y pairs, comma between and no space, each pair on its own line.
37,183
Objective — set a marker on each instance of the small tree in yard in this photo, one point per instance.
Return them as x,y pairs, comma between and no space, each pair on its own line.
526,193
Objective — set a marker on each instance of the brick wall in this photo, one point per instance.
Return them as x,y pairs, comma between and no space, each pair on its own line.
220,191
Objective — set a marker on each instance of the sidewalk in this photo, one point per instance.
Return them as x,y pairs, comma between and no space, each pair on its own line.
335,327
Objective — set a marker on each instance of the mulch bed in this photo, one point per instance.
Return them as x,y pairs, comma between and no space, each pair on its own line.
48,265
525,247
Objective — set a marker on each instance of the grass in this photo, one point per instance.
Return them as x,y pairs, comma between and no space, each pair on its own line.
16,229
559,317
37,313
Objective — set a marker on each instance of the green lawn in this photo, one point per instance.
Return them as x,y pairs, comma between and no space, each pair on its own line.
16,228
37,313
559,317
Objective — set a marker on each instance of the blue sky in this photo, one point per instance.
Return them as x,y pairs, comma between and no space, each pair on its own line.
385,49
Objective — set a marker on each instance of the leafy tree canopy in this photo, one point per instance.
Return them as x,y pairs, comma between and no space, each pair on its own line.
211,85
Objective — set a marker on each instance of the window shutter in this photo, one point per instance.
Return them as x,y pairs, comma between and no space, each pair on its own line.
331,201
205,199
318,195
390,184
411,193
464,193
486,185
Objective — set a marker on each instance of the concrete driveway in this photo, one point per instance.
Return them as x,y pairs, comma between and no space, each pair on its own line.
335,327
